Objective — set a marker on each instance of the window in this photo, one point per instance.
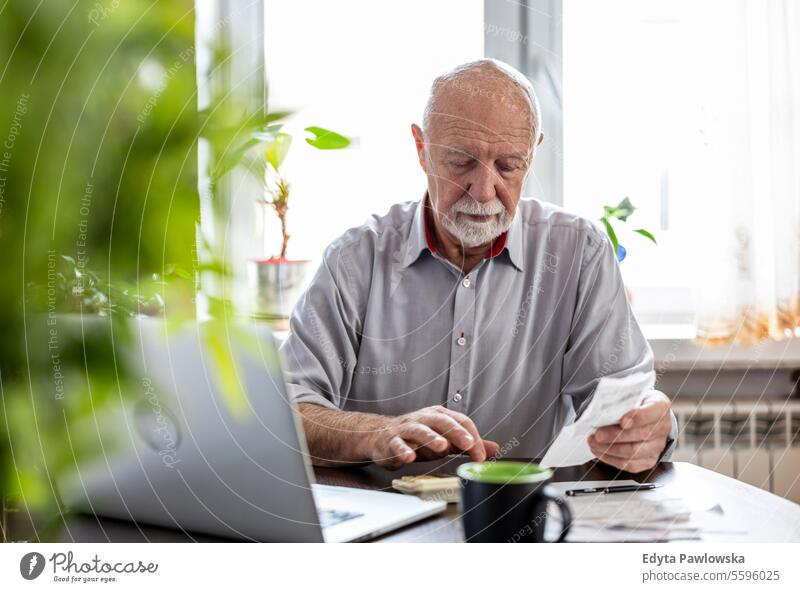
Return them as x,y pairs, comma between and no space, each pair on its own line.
650,86
365,81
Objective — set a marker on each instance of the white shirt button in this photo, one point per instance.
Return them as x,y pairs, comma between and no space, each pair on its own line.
466,283
457,397
461,341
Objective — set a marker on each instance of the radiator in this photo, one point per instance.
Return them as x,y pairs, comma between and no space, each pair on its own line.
757,442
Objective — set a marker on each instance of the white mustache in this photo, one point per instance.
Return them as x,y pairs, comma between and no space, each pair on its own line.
468,205
472,233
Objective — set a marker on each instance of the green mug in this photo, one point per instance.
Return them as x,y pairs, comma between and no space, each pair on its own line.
506,501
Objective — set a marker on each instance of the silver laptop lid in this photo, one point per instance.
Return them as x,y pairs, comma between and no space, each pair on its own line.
187,459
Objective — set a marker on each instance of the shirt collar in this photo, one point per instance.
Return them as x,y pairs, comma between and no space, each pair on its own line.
420,238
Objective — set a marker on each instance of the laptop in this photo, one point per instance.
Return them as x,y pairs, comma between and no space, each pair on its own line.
187,454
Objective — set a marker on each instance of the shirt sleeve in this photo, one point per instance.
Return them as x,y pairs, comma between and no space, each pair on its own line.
321,350
605,339
672,439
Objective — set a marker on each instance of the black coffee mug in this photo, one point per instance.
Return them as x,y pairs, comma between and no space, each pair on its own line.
506,502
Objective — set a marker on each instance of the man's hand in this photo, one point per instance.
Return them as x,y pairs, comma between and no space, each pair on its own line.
426,434
638,441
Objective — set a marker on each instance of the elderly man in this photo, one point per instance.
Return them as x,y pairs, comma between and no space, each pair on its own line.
470,321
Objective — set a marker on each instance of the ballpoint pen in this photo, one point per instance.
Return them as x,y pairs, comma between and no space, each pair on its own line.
613,489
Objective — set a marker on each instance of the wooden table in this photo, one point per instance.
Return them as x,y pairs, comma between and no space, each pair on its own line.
764,516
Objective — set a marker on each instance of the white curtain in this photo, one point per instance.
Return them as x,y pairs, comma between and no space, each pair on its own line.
745,163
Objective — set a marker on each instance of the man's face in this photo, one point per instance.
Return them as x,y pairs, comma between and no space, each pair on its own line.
477,156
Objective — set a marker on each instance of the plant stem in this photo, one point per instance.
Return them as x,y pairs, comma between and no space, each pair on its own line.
284,244
280,201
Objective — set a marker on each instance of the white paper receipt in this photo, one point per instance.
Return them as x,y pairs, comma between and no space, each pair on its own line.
612,399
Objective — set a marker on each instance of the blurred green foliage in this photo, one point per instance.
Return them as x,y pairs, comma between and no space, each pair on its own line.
98,127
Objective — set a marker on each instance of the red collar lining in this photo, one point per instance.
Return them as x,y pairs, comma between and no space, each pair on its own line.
497,246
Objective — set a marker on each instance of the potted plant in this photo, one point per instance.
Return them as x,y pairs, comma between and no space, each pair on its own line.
278,280
621,212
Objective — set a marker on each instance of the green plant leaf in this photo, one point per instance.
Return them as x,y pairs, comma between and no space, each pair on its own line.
266,134
221,124
229,159
326,139
171,270
276,149
216,339
611,234
233,135
624,209
270,118
218,267
647,234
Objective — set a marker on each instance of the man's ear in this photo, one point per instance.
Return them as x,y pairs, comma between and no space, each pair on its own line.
541,138
419,142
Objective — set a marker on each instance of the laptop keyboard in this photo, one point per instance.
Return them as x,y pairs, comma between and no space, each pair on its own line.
329,518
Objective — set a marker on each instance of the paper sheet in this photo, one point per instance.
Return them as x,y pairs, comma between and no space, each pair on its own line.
640,516
612,399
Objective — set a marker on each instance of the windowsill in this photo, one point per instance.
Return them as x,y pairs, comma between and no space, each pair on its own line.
668,331
674,349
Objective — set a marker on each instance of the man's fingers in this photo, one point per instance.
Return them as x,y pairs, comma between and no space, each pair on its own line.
425,437
400,450
651,412
491,448
451,429
624,464
627,450
653,409
614,434
645,460
476,450
437,431
636,443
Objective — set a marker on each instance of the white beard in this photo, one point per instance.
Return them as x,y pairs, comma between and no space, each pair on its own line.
471,233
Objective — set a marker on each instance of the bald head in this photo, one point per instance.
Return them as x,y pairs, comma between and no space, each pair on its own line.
477,89
481,127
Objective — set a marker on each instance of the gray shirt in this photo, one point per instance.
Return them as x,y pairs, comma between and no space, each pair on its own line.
389,326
